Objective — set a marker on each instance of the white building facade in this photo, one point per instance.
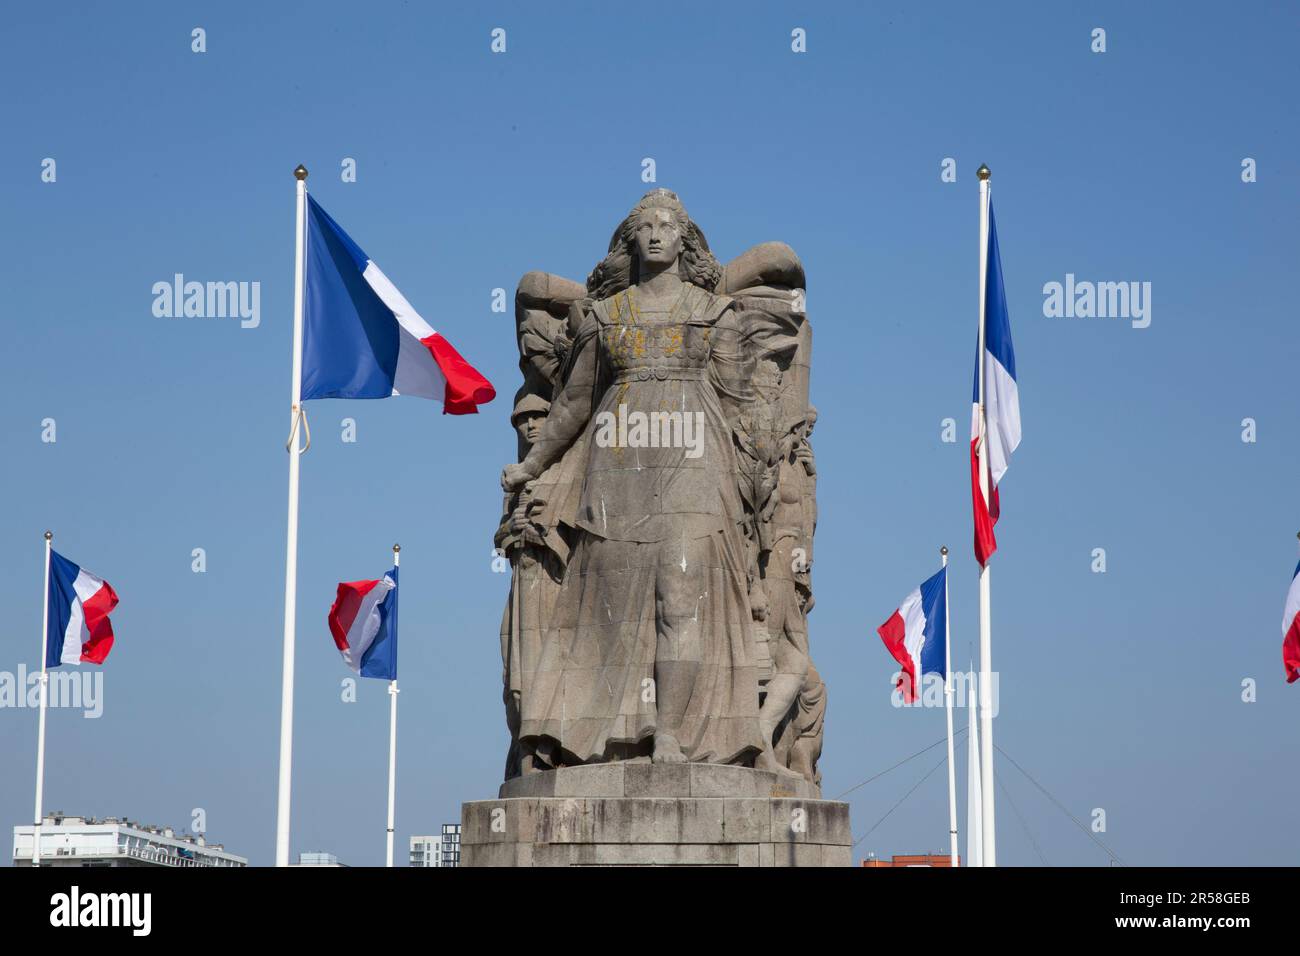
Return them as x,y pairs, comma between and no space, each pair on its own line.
85,841
440,850
317,858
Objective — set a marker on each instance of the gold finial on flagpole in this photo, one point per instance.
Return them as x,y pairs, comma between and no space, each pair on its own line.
300,172
49,536
397,548
983,172
944,550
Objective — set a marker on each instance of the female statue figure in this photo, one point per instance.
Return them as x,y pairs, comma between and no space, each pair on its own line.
649,651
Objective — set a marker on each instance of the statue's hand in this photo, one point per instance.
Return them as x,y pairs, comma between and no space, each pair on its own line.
804,455
758,602
514,477
519,518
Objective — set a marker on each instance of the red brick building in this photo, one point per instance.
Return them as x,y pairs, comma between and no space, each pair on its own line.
913,859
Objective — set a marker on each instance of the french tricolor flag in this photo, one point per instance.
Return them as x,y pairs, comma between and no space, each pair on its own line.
362,339
363,621
916,632
1001,401
79,604
1291,630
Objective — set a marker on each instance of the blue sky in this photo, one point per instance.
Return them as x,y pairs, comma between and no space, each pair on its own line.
1120,691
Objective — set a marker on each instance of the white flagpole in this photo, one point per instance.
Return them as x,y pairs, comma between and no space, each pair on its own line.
291,554
974,797
392,738
947,695
40,733
986,626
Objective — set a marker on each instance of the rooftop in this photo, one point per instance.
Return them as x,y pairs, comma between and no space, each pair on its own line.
66,835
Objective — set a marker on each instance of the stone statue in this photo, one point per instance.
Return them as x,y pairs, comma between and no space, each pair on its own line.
537,549
660,519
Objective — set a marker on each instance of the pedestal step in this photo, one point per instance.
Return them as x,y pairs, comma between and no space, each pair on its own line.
655,815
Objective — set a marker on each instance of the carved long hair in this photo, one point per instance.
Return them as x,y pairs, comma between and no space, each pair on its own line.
618,269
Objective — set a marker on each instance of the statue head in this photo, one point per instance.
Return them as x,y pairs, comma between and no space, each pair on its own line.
529,416
529,426
657,238
657,230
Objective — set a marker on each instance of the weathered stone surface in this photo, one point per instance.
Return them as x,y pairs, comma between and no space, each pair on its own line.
711,780
747,820
504,854
837,855
563,820
655,831
702,821
594,780
501,821
655,779
797,854
625,779
531,785
633,855
810,821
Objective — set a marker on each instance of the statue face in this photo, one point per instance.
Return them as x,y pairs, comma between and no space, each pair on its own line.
658,237
530,426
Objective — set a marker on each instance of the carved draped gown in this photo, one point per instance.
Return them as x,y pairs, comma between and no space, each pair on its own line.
659,561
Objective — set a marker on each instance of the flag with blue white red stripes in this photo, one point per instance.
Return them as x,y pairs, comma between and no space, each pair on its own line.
362,339
1001,402
363,621
916,632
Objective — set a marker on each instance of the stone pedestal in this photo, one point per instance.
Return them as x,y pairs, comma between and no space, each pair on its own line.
644,814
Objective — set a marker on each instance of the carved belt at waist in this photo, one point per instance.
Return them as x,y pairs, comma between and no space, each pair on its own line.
659,373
